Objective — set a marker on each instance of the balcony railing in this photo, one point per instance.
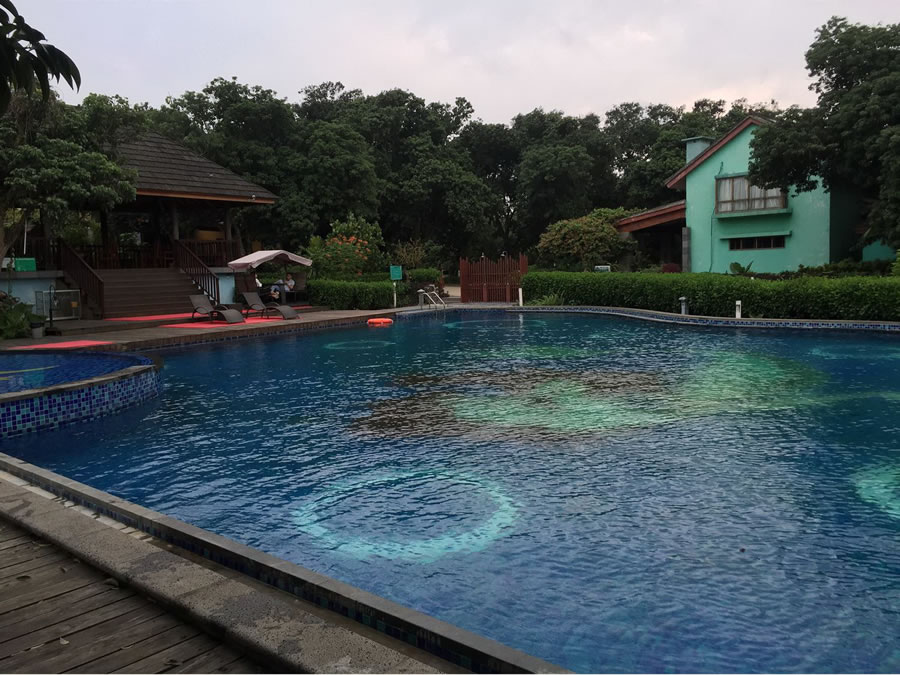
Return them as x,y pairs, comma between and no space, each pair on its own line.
213,253
197,270
77,269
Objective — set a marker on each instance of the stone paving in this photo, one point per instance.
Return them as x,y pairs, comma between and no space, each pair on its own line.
162,336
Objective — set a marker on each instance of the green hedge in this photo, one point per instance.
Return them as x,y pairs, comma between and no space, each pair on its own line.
423,276
356,294
855,298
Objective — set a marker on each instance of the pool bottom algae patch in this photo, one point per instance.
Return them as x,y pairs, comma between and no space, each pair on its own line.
560,404
880,486
358,345
314,516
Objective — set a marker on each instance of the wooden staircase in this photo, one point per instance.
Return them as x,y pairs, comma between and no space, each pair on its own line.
146,291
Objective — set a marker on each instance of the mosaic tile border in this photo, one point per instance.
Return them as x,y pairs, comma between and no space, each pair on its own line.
687,319
461,647
34,410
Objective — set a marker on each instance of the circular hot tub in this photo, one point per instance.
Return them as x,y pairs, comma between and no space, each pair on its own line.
47,389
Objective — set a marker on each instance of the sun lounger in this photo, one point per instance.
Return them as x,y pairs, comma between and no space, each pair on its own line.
253,303
204,307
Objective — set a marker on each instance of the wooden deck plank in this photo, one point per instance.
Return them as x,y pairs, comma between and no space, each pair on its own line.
240,666
64,629
10,536
142,656
55,558
70,583
24,550
176,655
209,662
81,647
43,577
62,608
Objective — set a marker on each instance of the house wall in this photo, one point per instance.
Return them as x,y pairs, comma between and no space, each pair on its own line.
22,285
879,251
805,221
226,284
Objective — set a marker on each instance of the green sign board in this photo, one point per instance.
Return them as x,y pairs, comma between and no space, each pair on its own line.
396,273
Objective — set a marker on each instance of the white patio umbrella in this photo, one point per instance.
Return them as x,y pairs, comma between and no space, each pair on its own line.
254,260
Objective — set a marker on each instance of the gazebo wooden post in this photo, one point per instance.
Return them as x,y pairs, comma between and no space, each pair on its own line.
228,253
173,211
104,229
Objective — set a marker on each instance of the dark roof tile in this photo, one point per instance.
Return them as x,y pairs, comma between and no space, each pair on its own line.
166,166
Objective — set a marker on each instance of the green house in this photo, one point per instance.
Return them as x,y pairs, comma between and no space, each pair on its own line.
724,219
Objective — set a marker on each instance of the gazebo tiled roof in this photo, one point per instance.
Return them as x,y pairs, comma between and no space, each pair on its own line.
168,169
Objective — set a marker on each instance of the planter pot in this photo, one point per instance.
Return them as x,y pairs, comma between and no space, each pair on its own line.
37,332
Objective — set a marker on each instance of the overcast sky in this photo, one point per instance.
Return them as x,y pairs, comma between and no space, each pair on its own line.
505,56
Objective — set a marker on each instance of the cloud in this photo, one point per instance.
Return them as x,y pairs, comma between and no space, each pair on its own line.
506,57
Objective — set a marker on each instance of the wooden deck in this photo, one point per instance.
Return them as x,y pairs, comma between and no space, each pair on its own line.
58,615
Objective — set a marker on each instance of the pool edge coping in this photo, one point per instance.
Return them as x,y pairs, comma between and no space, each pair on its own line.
271,570
672,318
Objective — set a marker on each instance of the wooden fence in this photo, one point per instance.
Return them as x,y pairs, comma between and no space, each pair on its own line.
487,280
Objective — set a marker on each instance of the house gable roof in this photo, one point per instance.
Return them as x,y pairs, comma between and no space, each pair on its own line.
677,179
168,169
660,215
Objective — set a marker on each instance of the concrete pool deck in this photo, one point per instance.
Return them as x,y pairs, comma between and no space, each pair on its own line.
155,337
274,628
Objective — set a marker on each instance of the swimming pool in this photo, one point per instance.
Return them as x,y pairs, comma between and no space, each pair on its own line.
604,493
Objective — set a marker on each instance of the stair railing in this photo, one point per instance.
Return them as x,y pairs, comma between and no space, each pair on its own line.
85,277
191,264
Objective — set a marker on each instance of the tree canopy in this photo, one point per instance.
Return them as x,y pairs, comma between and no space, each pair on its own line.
48,170
851,138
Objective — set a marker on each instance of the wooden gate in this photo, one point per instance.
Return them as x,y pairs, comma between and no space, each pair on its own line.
491,281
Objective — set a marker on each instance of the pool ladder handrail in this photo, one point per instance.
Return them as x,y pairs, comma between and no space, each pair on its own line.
430,292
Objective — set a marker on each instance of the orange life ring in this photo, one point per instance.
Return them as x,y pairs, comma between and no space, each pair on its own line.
380,322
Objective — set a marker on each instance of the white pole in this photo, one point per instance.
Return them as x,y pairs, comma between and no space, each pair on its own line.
737,309
395,295
521,304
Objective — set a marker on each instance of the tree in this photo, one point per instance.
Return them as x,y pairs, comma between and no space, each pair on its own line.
581,243
648,142
47,178
851,138
552,186
321,170
26,58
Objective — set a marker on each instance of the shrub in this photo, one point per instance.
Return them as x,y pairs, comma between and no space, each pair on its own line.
16,318
339,294
581,243
423,276
552,300
895,268
854,298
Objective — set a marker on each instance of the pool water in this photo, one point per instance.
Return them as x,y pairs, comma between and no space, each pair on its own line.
608,494
34,370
